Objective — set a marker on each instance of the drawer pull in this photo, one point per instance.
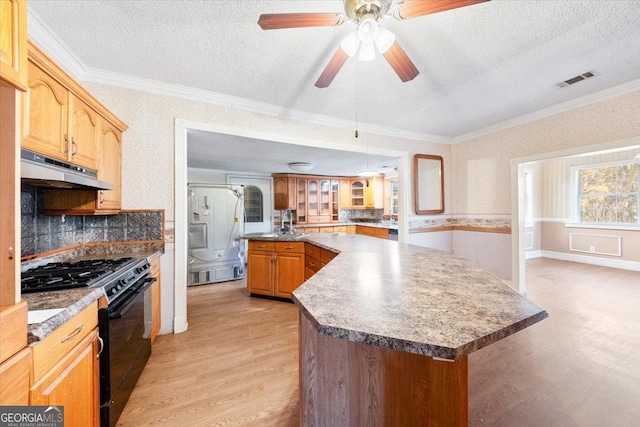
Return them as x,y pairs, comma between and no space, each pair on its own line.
312,264
72,334
261,246
288,247
101,347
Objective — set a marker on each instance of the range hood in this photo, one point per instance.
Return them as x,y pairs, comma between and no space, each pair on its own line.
43,171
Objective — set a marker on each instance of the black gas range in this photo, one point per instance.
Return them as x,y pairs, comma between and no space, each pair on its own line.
124,325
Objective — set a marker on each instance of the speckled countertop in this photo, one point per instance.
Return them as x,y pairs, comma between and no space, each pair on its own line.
410,298
73,301
362,224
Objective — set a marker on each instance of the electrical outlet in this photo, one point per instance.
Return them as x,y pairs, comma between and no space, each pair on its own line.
592,249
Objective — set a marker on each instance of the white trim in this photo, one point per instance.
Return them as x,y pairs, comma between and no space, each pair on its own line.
602,226
180,323
532,254
573,104
618,238
584,259
528,236
551,220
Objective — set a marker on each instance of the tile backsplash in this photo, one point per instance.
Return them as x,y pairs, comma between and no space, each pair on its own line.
43,233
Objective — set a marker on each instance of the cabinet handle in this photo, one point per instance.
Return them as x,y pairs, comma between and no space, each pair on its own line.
101,347
312,264
261,246
72,334
288,247
101,197
66,144
74,147
11,253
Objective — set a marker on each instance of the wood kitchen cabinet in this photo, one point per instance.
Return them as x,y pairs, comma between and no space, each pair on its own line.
13,43
362,193
284,192
275,268
156,314
15,373
57,123
66,369
315,258
60,119
381,233
94,202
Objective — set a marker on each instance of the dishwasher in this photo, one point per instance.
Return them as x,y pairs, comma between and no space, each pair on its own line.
393,234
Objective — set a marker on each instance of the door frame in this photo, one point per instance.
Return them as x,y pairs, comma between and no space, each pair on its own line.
518,269
182,126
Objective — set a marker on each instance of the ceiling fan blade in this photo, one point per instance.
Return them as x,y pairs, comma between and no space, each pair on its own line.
332,68
275,21
400,62
412,9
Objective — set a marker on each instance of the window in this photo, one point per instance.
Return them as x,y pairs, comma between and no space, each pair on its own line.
394,197
253,204
608,194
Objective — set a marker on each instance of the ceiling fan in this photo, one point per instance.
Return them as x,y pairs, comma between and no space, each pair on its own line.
366,14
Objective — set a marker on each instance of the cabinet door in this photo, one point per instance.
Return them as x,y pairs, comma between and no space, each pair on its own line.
85,131
301,203
335,200
260,272
325,198
110,170
280,193
74,384
13,43
313,199
155,299
357,193
289,273
45,115
345,194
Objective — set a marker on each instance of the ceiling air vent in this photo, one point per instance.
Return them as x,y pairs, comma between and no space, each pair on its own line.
576,79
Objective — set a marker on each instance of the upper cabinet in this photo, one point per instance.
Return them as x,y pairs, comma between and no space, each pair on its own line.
58,123
13,43
60,119
365,193
284,192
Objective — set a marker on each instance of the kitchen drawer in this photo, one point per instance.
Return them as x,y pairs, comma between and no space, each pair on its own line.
296,247
312,250
340,229
326,256
327,229
319,219
311,229
48,352
308,273
261,245
312,264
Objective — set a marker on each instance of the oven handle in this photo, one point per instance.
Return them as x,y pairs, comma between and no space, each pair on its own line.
147,282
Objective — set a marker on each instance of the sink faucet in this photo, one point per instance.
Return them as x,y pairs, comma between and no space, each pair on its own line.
286,215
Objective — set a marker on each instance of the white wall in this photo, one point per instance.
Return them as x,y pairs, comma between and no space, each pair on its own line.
441,240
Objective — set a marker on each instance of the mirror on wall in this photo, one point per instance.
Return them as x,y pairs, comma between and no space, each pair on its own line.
428,184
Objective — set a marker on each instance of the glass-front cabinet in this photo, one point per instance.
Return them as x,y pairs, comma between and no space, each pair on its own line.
357,193
325,197
301,204
335,200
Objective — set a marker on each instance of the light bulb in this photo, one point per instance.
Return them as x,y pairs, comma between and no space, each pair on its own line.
350,43
368,30
384,40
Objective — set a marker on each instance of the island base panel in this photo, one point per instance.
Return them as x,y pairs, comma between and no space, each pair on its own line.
348,383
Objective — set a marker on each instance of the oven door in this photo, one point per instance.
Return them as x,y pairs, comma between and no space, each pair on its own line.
127,348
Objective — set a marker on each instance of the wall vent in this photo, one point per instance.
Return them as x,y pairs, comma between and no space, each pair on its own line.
576,79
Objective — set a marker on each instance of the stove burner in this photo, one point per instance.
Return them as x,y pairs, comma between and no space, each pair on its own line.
67,275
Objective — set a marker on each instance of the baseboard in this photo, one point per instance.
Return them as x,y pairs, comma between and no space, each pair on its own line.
604,262
532,254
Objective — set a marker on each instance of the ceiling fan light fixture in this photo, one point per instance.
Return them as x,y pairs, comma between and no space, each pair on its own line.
368,30
384,40
367,52
301,166
351,43
368,173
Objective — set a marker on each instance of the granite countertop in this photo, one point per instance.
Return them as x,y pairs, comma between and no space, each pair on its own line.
73,301
410,298
363,224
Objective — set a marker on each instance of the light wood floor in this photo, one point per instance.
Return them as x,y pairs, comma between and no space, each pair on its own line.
237,363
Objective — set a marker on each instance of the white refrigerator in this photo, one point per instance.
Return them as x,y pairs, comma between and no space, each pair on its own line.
216,224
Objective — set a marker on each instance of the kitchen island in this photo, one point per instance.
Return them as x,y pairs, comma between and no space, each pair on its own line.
386,328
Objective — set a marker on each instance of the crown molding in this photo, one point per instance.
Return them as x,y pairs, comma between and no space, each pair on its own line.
46,38
563,107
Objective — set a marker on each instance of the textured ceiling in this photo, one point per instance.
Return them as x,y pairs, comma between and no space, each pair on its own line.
209,150
479,65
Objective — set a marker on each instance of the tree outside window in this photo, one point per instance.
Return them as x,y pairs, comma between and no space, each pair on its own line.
609,194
